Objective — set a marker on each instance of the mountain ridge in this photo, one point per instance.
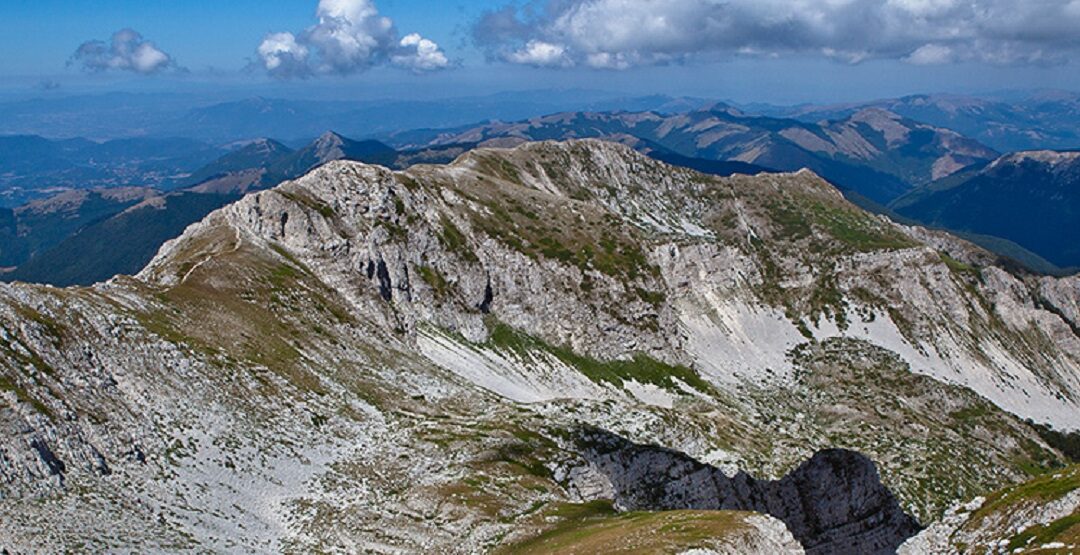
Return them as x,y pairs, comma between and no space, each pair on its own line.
1026,197
1031,122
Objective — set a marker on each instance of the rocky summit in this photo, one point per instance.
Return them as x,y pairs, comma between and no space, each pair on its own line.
560,347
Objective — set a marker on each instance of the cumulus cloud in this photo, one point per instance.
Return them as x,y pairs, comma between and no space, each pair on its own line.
281,54
350,36
419,54
624,33
541,54
126,51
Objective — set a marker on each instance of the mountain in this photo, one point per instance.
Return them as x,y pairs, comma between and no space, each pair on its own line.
241,170
873,154
1044,120
1030,198
329,147
94,241
561,345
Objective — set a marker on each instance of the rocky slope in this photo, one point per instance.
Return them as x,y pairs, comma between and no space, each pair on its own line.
1040,516
416,361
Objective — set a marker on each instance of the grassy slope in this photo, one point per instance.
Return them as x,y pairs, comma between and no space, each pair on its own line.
597,528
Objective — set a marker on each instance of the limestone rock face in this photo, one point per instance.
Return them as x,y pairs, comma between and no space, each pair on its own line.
833,503
883,283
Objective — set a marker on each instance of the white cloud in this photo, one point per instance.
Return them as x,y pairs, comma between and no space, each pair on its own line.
350,36
127,51
419,54
540,54
624,33
931,54
281,53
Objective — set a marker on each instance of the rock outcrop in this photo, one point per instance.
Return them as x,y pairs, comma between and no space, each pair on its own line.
833,503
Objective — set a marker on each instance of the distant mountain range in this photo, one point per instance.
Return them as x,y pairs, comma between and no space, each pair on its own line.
1029,121
40,225
217,120
1030,198
873,154
1045,120
82,237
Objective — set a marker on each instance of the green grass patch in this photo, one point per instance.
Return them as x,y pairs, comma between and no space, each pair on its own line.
597,528
435,280
282,275
1066,529
22,395
304,200
289,257
453,239
958,267
641,368
856,229
1043,489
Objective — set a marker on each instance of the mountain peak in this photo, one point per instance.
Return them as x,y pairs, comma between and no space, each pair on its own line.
329,147
266,146
1052,158
330,138
722,108
874,115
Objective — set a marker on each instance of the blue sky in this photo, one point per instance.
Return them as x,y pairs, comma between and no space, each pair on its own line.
42,34
740,49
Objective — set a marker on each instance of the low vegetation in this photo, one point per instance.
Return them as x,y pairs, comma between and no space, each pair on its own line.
597,528
640,368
